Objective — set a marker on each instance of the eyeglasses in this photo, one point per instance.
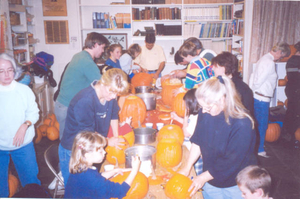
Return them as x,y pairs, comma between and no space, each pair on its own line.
207,108
10,71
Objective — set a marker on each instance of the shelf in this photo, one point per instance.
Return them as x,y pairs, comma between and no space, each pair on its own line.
216,38
158,37
156,5
107,29
206,21
207,4
114,5
17,8
161,21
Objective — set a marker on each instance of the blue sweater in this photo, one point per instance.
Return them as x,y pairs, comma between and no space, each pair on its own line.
85,112
91,184
226,149
110,62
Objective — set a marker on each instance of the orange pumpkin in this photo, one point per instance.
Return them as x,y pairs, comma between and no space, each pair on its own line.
179,105
177,187
56,125
139,187
286,103
167,93
281,82
13,184
297,134
52,117
168,153
43,129
273,132
133,107
169,81
39,136
48,121
114,153
141,79
52,133
130,138
172,131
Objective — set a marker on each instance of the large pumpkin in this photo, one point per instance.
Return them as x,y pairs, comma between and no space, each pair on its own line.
139,187
168,153
133,107
43,129
273,132
179,105
52,133
114,153
172,131
13,184
177,187
297,134
141,79
168,93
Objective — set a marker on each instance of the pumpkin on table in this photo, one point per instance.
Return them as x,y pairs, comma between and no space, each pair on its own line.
114,154
168,153
177,187
139,187
168,92
179,105
171,131
273,132
141,79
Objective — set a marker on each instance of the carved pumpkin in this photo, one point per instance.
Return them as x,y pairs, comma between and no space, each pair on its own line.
130,138
169,153
43,129
114,153
179,105
133,107
13,184
52,133
139,187
169,81
297,134
177,187
172,131
141,79
273,132
39,136
281,82
167,93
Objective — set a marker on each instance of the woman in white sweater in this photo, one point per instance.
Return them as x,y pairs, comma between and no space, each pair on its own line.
18,113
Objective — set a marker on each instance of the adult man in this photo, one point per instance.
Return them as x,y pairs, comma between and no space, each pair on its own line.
152,58
81,72
262,82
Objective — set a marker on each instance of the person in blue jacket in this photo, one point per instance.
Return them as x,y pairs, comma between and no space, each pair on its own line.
115,52
224,137
94,108
85,181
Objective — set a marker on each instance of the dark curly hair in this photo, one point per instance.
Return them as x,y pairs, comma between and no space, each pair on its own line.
227,60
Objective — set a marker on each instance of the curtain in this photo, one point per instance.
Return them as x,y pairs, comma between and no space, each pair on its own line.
273,21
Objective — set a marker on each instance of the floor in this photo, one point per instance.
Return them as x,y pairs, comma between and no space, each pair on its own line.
283,165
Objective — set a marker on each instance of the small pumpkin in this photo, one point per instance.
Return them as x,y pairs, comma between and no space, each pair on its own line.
273,132
56,125
114,153
179,105
13,184
52,117
172,131
133,107
297,134
52,133
48,121
43,129
39,136
168,153
177,187
168,93
130,138
139,187
281,82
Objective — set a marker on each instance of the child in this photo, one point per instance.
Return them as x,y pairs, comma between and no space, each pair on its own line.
198,69
126,60
114,51
85,181
189,122
254,182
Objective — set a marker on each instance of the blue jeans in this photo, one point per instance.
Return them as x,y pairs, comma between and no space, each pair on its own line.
25,163
212,192
152,72
60,111
64,159
261,113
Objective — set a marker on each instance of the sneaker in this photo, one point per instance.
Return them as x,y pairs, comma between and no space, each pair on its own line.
263,154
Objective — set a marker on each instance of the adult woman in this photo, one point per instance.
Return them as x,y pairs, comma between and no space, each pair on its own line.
94,108
225,134
18,113
292,91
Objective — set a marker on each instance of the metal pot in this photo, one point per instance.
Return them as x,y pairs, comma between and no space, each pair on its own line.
145,152
149,99
144,135
143,89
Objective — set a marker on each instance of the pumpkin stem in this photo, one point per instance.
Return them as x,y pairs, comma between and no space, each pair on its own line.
117,164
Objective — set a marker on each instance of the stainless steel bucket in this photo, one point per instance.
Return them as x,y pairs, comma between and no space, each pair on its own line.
143,89
145,152
149,100
144,135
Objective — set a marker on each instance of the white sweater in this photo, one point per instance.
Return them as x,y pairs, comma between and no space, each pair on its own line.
264,78
17,104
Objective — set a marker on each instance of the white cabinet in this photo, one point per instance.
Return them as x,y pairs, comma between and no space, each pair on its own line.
279,94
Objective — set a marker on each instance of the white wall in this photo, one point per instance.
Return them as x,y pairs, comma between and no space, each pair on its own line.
62,53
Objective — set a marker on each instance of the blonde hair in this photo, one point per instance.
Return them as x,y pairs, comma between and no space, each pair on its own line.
134,48
254,177
284,47
84,142
211,91
116,79
188,48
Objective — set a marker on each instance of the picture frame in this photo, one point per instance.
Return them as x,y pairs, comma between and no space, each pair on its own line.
54,8
117,38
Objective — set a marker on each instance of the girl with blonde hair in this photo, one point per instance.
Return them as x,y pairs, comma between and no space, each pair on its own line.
224,137
85,181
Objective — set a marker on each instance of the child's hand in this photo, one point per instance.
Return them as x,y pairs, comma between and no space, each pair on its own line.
116,142
135,163
128,120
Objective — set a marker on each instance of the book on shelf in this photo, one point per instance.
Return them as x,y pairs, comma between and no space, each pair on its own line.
168,30
148,1
207,29
104,20
205,13
154,13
